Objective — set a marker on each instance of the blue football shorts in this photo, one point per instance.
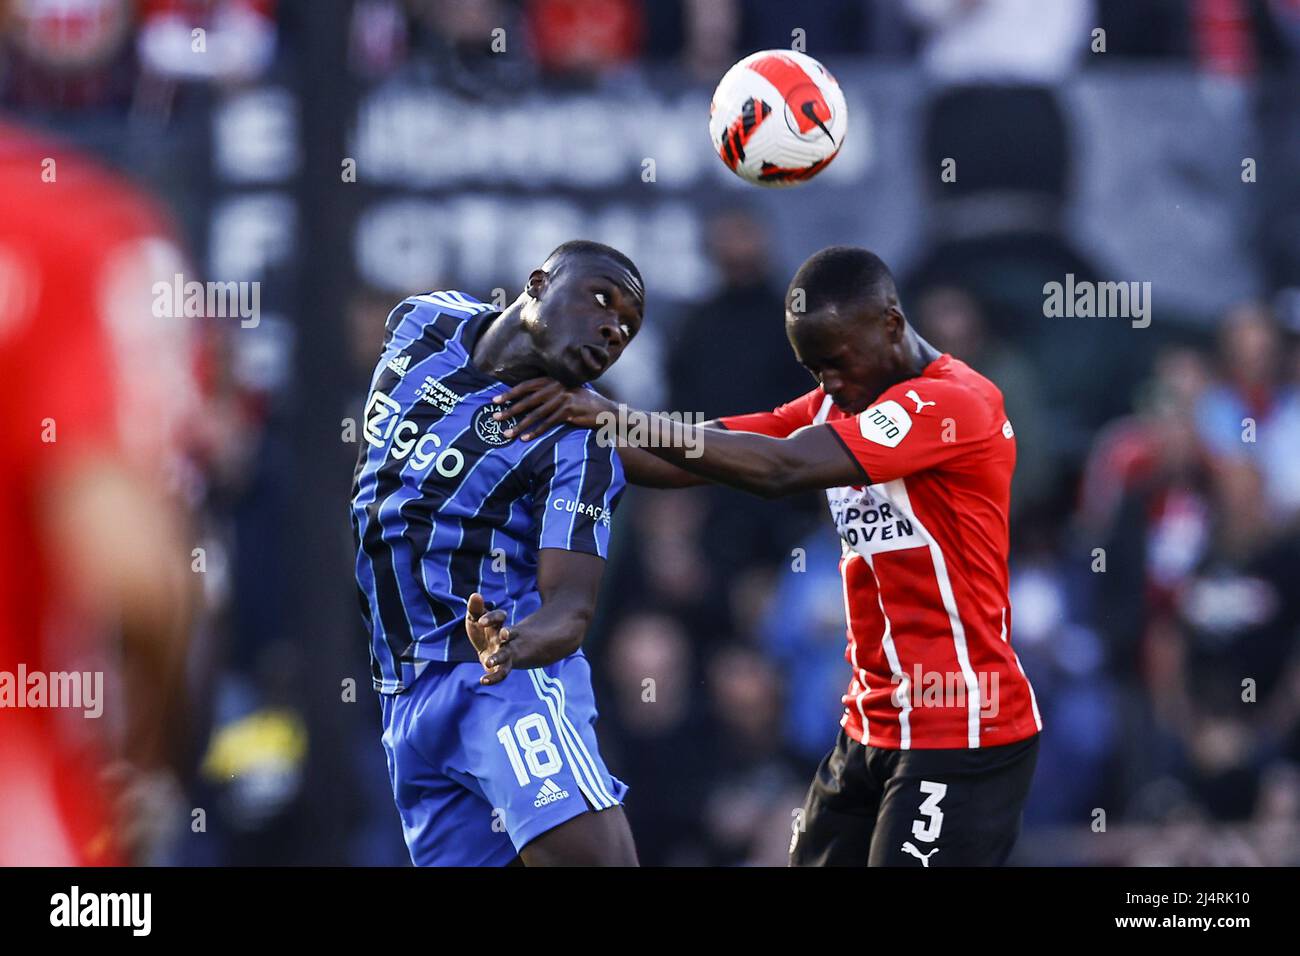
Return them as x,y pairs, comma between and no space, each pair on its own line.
479,772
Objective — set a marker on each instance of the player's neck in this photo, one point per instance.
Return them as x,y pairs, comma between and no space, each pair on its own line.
920,354
504,352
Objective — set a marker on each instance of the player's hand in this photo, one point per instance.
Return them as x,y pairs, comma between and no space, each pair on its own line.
491,639
542,403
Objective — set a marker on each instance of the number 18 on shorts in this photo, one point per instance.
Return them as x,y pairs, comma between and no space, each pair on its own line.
479,772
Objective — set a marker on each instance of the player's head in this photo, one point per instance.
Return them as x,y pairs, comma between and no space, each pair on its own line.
845,325
581,308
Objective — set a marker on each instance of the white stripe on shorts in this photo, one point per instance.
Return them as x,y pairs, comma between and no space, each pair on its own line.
580,773
579,744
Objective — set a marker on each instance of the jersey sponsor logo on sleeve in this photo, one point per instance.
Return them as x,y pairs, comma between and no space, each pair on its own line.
597,513
1007,431
885,424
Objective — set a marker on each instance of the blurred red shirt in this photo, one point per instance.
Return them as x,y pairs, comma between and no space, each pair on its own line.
86,372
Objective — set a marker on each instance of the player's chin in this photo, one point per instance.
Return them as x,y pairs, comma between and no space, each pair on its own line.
852,406
576,371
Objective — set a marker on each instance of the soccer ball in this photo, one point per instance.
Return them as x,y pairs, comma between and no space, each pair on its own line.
778,118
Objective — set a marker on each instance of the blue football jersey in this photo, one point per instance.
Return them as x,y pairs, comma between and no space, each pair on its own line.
443,504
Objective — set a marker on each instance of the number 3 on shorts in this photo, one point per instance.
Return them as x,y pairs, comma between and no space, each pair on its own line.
927,829
534,737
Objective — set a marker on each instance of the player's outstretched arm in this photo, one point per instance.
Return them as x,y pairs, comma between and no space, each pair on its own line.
810,458
568,582
644,469
542,403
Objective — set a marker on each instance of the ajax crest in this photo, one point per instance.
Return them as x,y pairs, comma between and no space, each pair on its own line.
489,430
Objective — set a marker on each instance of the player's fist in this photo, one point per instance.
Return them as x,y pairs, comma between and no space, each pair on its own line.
491,639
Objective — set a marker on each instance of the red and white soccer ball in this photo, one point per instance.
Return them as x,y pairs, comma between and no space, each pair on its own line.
778,118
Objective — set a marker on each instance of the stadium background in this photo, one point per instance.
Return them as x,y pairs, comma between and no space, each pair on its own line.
471,164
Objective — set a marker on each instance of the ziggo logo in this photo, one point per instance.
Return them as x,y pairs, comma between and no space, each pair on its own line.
383,423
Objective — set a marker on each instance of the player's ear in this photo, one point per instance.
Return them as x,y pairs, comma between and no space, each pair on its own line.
895,323
536,283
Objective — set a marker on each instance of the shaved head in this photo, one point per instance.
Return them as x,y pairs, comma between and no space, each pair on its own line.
843,280
847,328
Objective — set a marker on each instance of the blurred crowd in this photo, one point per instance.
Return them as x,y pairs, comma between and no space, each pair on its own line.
1156,508
136,54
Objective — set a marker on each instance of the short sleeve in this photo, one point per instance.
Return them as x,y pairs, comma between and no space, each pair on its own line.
782,420
576,487
915,427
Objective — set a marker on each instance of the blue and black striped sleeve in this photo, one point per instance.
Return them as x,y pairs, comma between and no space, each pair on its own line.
576,487
431,318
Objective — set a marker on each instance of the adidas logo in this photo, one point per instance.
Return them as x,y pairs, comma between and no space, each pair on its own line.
400,364
549,793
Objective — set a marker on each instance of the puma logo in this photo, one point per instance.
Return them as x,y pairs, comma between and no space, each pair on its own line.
924,858
920,403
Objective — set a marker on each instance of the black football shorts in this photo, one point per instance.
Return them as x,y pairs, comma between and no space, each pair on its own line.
869,806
